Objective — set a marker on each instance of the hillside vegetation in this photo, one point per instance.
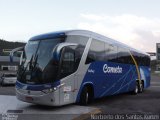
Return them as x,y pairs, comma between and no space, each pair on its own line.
9,45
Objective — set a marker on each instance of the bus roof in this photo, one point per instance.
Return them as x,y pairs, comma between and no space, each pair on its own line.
48,36
84,33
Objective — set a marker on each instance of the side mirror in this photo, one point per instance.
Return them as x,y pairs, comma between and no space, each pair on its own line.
13,51
11,57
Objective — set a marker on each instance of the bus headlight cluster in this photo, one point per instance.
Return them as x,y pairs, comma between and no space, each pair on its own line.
54,88
49,90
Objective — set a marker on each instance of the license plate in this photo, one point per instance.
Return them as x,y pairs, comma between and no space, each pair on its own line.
29,98
11,81
28,77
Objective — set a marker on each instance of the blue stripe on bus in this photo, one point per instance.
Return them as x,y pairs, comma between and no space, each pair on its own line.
105,84
37,87
117,84
145,75
48,36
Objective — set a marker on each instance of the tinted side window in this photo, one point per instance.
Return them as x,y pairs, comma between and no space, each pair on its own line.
145,60
124,56
81,40
110,53
68,62
141,59
70,59
78,55
96,51
148,61
136,57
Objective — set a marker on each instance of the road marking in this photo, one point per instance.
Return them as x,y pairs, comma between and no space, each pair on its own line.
14,111
88,115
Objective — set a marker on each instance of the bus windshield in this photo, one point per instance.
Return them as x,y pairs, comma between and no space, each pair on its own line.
38,66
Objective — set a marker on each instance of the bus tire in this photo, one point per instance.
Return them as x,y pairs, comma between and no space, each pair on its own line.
135,91
86,96
141,87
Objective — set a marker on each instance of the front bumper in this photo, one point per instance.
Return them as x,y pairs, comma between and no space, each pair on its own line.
38,97
9,82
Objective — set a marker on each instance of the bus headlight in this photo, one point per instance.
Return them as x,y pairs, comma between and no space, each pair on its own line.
48,90
55,88
52,89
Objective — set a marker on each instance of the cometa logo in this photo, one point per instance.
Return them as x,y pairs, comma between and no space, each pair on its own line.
107,69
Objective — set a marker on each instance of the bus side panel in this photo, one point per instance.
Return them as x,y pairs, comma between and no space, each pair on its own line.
145,75
110,83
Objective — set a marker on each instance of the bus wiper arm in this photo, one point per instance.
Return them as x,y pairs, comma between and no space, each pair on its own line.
26,66
35,62
30,63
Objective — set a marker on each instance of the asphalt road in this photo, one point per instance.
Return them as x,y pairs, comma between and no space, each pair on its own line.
7,90
147,102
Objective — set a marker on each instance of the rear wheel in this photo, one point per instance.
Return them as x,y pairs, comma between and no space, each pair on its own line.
135,91
136,88
141,87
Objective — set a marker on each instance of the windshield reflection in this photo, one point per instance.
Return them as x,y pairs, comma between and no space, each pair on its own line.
39,66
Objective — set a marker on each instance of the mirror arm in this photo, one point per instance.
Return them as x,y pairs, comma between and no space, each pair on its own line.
12,52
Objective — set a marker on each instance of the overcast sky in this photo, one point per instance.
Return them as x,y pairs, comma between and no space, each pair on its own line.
133,22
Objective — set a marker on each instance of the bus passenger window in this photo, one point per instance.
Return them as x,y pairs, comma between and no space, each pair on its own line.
96,51
111,53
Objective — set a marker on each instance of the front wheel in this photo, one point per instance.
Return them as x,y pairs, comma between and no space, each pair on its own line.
85,97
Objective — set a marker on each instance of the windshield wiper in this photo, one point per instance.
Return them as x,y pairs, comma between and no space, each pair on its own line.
29,63
34,62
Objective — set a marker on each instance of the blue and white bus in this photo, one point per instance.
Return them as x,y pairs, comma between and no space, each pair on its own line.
77,66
